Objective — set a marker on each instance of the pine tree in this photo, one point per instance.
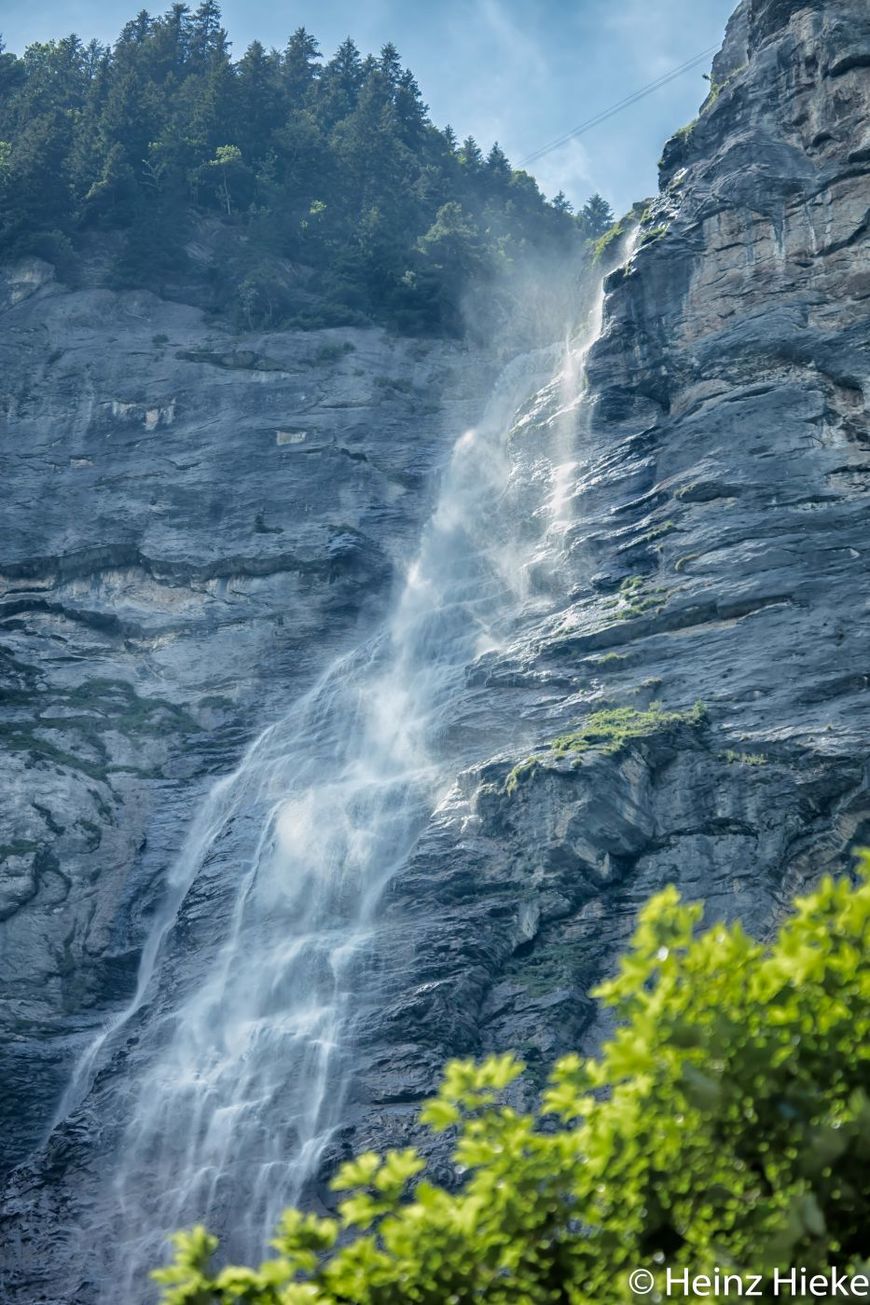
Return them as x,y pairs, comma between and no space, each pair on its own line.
596,217
36,187
208,40
258,101
411,112
390,64
300,66
12,75
341,82
471,156
134,34
168,47
497,165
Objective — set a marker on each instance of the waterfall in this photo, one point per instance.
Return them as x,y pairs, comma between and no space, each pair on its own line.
246,1062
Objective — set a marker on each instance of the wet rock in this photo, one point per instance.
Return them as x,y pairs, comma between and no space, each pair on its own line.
173,568
200,521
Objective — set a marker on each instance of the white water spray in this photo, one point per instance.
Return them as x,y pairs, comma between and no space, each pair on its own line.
247,1074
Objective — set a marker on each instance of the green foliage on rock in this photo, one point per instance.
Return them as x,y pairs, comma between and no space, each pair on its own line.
659,531
653,233
611,729
522,771
606,239
635,597
744,758
727,1123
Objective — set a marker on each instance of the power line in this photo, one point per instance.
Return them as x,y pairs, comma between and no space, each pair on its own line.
623,104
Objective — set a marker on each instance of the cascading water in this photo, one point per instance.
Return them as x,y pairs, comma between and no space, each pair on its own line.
246,1077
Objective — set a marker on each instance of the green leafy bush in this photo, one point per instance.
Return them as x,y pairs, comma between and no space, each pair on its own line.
727,1123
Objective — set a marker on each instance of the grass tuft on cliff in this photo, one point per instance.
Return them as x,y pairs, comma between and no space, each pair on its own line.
608,731
611,729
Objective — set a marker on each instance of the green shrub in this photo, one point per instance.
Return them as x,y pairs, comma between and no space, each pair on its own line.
726,1124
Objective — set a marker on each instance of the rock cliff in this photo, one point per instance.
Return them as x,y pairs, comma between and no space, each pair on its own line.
195,522
718,556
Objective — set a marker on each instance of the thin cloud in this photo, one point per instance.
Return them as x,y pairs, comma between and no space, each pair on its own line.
567,168
655,38
514,42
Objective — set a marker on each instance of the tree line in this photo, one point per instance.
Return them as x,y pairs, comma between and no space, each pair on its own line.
162,144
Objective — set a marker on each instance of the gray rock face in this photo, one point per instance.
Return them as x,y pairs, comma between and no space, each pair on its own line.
197,522
717,555
193,522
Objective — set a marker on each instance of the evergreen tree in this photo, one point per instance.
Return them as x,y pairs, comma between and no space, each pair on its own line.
497,165
12,74
471,156
453,254
258,101
208,40
596,217
300,66
411,112
134,34
340,83
390,65
169,44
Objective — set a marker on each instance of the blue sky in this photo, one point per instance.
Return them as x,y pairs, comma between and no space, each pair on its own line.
522,72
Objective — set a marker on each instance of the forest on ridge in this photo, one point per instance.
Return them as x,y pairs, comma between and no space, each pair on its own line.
293,190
